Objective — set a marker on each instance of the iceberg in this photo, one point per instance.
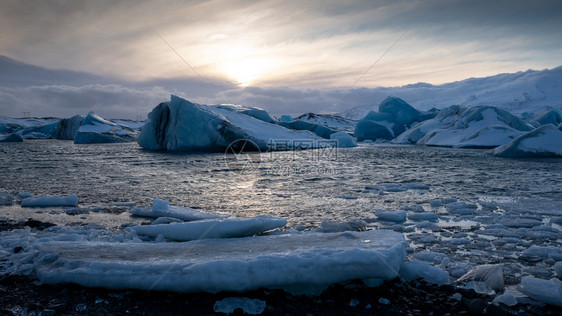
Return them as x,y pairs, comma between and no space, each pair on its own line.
476,127
553,116
544,141
213,228
179,125
161,208
95,129
254,112
344,139
302,263
393,118
66,128
11,138
48,201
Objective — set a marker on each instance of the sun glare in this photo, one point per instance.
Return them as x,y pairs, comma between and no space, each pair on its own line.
245,71
244,65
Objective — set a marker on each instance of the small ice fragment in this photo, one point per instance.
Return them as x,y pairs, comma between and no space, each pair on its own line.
485,278
6,198
353,302
558,268
248,306
506,299
436,203
412,270
546,291
426,216
349,197
23,195
384,301
457,296
46,201
392,216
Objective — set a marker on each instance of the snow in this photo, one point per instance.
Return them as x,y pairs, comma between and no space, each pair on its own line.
333,122
213,228
47,201
162,208
95,129
530,91
544,141
546,291
179,125
254,112
476,127
248,306
487,278
302,262
412,270
344,139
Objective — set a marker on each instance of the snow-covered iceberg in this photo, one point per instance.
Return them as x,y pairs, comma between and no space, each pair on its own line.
331,121
213,228
394,117
304,263
179,125
161,208
544,141
476,127
95,129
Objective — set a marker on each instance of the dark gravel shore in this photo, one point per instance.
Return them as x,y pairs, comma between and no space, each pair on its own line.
22,296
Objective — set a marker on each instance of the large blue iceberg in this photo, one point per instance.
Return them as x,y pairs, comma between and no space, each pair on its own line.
180,125
394,117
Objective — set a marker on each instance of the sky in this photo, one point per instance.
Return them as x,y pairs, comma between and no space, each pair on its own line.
225,51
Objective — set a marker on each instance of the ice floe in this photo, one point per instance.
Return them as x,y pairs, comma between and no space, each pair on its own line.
47,201
303,262
213,228
162,208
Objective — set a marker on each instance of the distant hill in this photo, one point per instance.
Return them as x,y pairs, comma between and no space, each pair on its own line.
524,91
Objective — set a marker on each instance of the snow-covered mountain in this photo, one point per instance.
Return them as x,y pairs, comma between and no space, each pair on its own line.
528,91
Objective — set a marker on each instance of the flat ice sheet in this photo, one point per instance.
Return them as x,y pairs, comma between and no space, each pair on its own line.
213,265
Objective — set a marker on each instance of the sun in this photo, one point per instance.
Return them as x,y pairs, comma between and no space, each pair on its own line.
245,70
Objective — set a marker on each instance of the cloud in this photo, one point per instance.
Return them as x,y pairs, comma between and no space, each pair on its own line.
303,44
112,101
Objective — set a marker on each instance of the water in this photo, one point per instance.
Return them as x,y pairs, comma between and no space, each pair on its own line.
304,187
515,203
